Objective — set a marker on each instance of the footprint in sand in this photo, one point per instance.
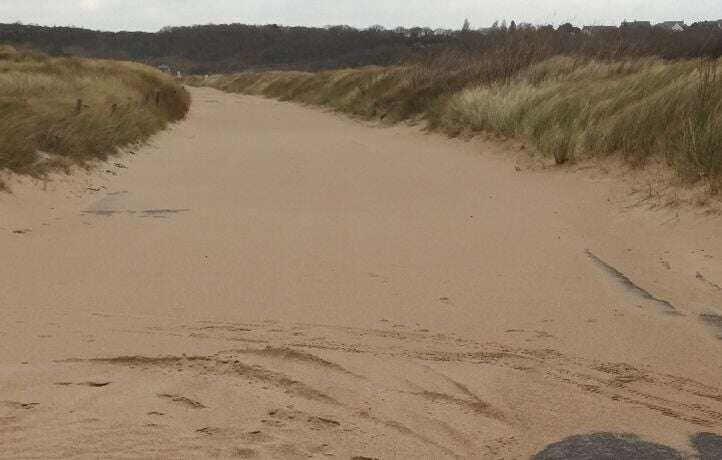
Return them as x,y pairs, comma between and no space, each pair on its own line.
95,384
322,421
209,431
183,401
84,384
19,405
447,301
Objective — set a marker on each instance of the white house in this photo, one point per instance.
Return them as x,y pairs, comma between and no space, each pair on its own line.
672,26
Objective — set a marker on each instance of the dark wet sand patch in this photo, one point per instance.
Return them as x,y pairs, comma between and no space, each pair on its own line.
714,320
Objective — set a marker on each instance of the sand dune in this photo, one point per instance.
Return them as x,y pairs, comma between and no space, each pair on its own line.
271,281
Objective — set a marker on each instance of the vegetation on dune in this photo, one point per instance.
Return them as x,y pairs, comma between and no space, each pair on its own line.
572,109
59,111
568,107
392,93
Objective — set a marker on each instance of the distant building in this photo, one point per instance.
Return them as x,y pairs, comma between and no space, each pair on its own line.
672,26
443,32
709,24
591,30
165,68
637,24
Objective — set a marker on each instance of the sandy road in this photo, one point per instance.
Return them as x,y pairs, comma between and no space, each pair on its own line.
267,280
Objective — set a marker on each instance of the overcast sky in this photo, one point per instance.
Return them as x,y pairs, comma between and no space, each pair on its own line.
151,15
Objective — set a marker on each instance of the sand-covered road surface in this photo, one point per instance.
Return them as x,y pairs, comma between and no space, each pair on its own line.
267,280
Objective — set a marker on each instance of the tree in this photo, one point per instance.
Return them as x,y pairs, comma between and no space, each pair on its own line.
568,28
467,26
512,26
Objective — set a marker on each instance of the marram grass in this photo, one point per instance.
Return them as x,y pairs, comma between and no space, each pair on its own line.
59,111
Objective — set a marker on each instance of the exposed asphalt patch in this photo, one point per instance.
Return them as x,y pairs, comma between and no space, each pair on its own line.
714,320
607,446
618,446
708,445
631,286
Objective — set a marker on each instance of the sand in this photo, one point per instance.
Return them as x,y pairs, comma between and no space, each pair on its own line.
267,280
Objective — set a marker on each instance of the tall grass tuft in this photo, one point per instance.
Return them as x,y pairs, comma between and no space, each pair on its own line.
55,112
702,140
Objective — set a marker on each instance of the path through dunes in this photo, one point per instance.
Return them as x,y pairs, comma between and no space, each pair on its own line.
269,280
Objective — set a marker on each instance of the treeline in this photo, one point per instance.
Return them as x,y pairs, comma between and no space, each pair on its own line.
227,48
237,47
627,41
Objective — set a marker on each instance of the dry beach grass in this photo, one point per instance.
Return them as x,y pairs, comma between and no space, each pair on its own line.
60,111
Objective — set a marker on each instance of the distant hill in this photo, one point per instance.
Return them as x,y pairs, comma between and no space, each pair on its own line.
224,48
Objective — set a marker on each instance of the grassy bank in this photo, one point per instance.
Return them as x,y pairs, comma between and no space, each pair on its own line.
567,107
639,108
57,112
